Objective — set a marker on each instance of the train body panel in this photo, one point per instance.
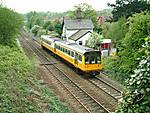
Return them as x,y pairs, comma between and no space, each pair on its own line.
47,46
83,58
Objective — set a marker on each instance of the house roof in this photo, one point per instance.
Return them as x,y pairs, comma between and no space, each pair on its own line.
79,34
78,24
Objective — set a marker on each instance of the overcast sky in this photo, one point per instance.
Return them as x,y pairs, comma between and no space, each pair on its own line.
24,6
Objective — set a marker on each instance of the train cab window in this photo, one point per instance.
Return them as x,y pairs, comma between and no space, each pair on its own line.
98,59
86,60
92,60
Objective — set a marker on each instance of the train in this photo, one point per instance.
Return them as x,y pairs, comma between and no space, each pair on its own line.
85,59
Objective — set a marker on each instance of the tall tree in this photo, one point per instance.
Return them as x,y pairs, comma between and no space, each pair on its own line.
139,28
87,12
128,7
115,31
58,27
10,24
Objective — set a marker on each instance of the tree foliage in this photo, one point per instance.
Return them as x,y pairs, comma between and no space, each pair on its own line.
128,7
44,21
87,12
126,61
35,29
115,31
95,40
34,18
10,24
136,99
57,27
20,91
139,28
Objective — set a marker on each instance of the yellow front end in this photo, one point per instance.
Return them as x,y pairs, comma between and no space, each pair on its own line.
89,67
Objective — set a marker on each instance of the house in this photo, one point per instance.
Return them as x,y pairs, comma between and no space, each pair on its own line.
77,31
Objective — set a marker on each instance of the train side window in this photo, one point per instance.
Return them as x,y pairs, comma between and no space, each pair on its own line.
68,52
76,56
59,47
63,49
72,53
80,58
56,46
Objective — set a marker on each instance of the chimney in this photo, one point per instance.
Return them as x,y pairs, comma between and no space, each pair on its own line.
78,13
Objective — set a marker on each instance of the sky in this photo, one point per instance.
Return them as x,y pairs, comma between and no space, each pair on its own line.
24,6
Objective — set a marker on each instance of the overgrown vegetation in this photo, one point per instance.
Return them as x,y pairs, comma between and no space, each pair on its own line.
126,8
126,61
115,31
20,91
136,99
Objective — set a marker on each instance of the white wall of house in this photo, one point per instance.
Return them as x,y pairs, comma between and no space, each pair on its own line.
67,33
84,38
70,32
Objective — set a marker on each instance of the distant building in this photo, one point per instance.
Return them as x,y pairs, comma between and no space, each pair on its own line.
78,30
102,19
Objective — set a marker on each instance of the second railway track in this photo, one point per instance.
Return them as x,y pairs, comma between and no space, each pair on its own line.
88,102
107,88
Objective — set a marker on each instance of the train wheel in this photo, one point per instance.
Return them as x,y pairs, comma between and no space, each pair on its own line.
42,47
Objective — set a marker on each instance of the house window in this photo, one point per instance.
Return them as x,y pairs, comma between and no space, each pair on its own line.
80,42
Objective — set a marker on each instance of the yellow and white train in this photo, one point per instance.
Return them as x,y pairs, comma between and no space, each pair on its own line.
83,58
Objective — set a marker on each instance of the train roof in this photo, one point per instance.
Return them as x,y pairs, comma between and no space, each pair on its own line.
49,38
74,46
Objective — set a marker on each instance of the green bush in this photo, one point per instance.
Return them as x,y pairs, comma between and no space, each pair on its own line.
137,97
19,88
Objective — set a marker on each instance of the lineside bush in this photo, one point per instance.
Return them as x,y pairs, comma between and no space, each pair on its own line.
137,97
20,91
10,24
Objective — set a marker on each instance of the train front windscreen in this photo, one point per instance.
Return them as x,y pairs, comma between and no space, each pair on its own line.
93,57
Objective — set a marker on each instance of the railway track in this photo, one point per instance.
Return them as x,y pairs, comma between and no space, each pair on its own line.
106,87
87,102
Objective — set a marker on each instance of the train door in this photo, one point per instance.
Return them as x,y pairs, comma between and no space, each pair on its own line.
76,58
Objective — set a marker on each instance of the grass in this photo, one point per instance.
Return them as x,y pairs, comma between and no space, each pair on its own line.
20,91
